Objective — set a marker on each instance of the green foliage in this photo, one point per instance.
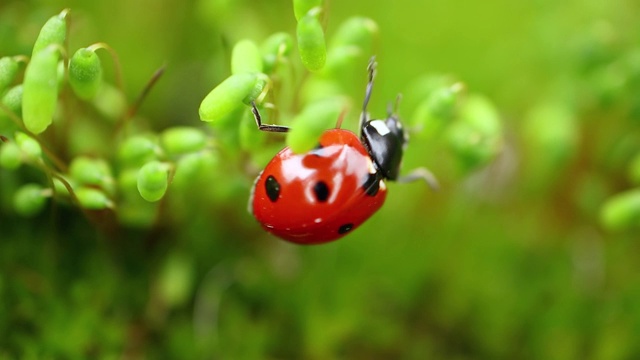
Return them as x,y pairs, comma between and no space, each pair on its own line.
8,71
276,47
302,7
123,223
246,58
476,137
53,32
356,31
181,140
227,97
93,199
40,93
12,103
435,100
137,150
312,121
110,102
29,147
93,172
29,200
10,156
622,211
311,44
85,73
153,180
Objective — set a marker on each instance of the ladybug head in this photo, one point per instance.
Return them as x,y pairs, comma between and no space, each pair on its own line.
385,139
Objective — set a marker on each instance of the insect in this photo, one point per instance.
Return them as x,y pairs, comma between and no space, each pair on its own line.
326,193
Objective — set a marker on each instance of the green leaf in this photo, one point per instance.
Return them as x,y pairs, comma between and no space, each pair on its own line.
153,181
476,136
622,211
110,101
91,171
302,7
246,58
53,31
8,70
29,200
40,92
357,31
183,139
436,111
137,150
274,48
176,279
29,147
192,168
316,117
227,97
93,199
60,188
311,43
12,100
550,134
85,73
10,157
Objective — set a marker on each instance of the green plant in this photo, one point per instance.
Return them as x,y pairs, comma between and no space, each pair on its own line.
123,222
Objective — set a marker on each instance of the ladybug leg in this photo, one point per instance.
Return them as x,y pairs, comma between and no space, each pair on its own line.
266,127
421,174
367,95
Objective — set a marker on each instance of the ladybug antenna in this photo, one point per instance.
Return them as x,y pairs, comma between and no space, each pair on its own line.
371,68
392,108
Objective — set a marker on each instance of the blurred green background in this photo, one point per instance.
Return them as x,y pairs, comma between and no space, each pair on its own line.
508,261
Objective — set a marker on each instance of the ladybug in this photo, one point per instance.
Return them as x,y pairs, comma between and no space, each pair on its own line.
326,193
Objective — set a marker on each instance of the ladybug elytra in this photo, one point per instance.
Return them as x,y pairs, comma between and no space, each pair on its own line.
326,193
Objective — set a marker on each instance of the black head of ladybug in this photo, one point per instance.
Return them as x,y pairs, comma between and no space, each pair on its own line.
385,139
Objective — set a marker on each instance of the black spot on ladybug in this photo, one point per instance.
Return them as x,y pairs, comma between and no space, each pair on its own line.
273,188
371,185
345,228
321,191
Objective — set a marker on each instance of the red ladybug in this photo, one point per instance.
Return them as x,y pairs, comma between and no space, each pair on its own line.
328,192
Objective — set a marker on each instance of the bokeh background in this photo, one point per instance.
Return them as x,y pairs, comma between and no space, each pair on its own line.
510,260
